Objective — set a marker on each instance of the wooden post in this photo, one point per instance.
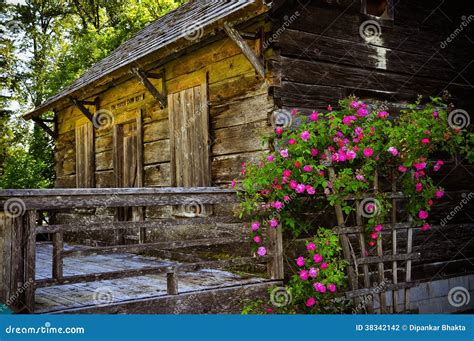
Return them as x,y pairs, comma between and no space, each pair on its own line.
29,224
394,243
6,261
139,214
346,247
276,268
58,246
172,282
17,261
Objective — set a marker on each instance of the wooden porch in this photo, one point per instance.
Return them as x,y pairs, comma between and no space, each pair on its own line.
43,273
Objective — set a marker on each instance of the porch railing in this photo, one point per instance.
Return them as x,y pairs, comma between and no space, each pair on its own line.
19,229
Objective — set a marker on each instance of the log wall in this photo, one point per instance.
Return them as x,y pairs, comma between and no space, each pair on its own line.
322,56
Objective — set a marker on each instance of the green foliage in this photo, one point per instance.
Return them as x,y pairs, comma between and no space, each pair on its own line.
45,45
324,158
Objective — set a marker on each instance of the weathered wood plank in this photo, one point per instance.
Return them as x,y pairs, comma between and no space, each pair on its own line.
149,224
160,245
388,258
223,300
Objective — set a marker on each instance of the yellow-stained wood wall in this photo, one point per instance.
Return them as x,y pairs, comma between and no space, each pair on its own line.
239,109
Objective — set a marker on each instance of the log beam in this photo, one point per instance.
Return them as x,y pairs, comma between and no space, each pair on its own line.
143,78
83,109
246,50
40,122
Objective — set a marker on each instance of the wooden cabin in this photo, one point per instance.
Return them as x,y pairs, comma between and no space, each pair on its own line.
186,101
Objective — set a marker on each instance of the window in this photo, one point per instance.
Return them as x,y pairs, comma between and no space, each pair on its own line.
382,9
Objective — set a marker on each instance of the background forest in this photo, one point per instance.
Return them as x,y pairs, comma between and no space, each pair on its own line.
44,46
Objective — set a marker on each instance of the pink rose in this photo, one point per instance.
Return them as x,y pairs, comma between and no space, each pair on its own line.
257,239
314,152
393,151
305,135
425,141
324,265
287,172
423,214
310,190
293,184
383,114
310,302
332,287
291,141
425,227
418,186
311,247
378,228
368,152
284,153
270,158
262,251
435,114
300,188
304,275
313,272
279,130
255,226
307,168
374,235
273,223
300,261
314,116
317,258
362,112
360,177
439,194
319,287
354,104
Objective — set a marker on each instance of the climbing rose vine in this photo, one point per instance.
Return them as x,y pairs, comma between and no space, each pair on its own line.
327,156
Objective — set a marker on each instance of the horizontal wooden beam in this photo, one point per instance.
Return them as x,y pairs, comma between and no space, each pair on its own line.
42,283
170,245
142,76
43,126
387,258
151,224
246,50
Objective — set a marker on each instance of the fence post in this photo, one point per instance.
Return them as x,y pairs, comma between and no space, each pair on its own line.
275,265
17,260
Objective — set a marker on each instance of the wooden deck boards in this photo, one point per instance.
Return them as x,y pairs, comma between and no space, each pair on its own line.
63,297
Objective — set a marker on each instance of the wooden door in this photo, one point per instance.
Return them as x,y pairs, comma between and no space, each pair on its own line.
128,168
189,140
85,169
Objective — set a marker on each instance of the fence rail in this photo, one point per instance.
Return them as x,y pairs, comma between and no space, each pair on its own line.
19,229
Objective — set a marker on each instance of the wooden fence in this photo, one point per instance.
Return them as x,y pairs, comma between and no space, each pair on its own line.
19,230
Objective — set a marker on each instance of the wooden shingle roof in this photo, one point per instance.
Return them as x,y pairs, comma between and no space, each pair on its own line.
186,22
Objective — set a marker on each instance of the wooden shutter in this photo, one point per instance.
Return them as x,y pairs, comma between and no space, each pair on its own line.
189,130
85,177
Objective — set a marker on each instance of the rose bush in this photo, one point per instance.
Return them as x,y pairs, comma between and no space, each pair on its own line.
326,156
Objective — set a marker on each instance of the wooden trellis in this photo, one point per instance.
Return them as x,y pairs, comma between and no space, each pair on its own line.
371,277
